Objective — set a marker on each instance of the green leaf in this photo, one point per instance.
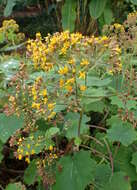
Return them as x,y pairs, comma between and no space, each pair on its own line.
69,15
9,7
31,173
9,125
95,92
134,160
118,182
95,107
75,174
72,123
134,2
96,8
95,81
108,15
51,132
15,186
122,162
102,175
130,104
122,132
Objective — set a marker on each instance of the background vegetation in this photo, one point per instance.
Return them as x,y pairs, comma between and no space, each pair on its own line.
68,94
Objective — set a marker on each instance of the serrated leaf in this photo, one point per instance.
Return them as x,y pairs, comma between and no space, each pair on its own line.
72,123
122,162
9,125
118,182
30,173
75,174
69,15
122,132
96,8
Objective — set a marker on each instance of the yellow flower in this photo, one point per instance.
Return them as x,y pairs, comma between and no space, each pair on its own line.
61,83
28,146
69,88
27,153
64,70
51,106
44,92
50,147
71,80
20,157
27,159
51,115
81,75
45,100
84,62
82,87
33,151
71,61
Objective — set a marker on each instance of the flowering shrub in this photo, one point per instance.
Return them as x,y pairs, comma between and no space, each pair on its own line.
71,111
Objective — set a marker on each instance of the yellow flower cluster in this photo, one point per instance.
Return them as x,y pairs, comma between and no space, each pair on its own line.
41,104
27,152
115,59
9,32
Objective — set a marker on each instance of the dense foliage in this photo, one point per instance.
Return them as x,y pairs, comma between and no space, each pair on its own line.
68,105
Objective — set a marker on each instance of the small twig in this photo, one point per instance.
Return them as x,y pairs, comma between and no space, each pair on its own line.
110,155
12,170
96,140
1,187
79,125
98,127
116,150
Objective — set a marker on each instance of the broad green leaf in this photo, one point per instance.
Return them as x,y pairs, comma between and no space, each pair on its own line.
96,8
103,173
122,132
9,125
15,186
95,107
31,173
134,160
77,171
9,7
95,81
122,162
108,15
51,132
118,182
72,123
95,92
69,15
